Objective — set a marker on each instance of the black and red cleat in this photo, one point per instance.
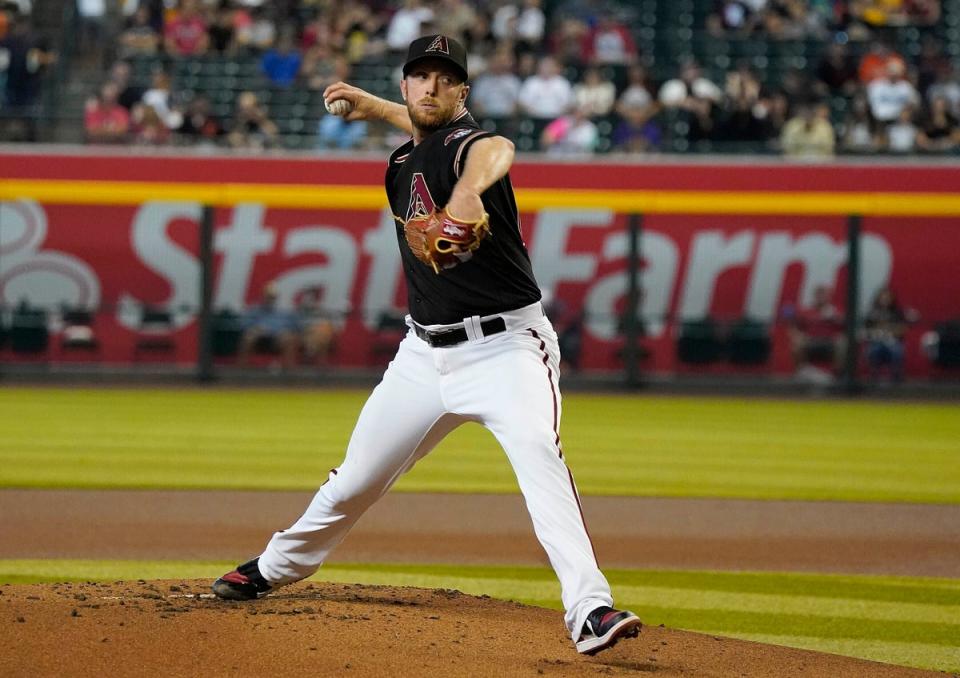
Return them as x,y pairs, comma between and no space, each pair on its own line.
244,583
604,627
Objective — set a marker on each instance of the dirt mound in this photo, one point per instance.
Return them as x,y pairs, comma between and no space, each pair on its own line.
175,628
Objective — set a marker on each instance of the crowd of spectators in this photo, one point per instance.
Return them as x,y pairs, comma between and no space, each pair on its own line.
577,73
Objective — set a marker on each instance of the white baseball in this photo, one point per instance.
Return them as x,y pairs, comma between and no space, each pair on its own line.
338,106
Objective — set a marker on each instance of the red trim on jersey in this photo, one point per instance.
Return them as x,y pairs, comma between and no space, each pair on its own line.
553,391
583,518
556,430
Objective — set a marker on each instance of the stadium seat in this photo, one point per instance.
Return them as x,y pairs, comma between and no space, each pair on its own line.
154,334
78,332
698,341
28,330
748,342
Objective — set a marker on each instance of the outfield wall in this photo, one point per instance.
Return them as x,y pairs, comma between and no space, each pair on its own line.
116,231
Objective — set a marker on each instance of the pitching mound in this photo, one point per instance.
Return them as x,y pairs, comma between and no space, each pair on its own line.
175,628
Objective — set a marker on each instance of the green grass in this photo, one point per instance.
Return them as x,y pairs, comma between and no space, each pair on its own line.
616,445
910,621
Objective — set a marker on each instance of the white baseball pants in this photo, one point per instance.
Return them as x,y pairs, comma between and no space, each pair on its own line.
508,383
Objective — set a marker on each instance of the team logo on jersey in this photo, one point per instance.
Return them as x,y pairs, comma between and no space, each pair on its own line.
457,134
439,44
421,202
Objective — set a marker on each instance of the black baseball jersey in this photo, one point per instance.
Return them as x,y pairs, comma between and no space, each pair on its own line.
498,276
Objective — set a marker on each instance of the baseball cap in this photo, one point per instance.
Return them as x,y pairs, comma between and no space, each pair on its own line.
437,47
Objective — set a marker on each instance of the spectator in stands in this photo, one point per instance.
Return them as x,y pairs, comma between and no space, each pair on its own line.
693,97
26,60
130,95
200,126
636,130
255,30
406,24
744,118
923,12
479,40
138,36
322,67
454,18
879,12
809,134
105,121
148,128
931,61
281,64
890,95
531,26
876,62
91,15
639,90
222,30
609,42
163,101
496,92
741,82
571,134
732,18
269,328
504,23
566,41
940,129
320,326
901,134
946,86
859,132
594,94
546,94
798,84
791,20
362,31
816,333
251,127
886,326
836,72
185,33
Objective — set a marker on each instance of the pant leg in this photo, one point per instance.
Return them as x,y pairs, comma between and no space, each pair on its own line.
402,420
513,389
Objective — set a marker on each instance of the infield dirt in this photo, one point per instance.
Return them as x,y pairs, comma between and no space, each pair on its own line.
174,628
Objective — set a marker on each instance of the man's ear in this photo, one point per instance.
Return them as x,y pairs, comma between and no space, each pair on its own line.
464,92
403,88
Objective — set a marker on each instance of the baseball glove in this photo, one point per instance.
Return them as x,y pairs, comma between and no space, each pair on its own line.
441,240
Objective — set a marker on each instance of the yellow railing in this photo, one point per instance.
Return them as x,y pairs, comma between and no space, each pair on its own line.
529,199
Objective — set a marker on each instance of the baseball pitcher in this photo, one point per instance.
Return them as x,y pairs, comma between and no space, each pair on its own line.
479,348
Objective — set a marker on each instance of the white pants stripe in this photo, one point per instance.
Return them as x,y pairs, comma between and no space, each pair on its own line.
507,383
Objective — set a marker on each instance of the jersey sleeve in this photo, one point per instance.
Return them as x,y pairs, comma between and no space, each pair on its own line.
463,145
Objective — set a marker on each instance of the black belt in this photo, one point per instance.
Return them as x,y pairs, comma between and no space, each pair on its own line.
458,335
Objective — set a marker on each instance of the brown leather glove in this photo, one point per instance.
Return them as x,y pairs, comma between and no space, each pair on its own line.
442,241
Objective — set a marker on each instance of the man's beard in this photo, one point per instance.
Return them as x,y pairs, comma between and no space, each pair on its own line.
428,123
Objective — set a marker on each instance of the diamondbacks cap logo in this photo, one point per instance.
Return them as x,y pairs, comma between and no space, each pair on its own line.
439,44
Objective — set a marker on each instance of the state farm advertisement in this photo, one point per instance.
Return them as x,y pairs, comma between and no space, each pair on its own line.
117,258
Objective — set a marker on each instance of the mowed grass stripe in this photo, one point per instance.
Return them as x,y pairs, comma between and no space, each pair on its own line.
919,655
616,445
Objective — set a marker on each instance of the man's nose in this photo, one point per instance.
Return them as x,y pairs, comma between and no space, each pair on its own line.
432,81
